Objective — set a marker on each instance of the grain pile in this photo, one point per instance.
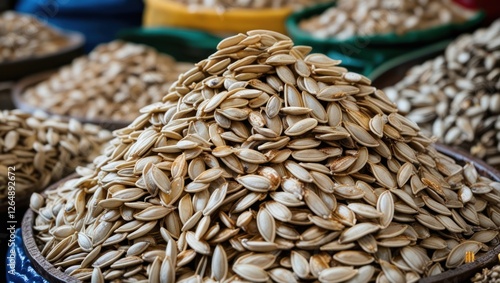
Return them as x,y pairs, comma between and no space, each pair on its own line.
265,162
369,17
23,36
113,82
40,149
456,97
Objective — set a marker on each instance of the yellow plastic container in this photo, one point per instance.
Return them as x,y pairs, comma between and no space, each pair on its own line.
172,14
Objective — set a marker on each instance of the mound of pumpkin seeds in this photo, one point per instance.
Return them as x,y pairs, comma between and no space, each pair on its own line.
111,83
24,36
456,97
267,163
369,17
37,149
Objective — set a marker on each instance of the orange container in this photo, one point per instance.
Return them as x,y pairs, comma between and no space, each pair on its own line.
172,14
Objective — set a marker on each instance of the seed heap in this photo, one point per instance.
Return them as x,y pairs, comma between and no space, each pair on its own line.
43,149
265,162
487,275
249,4
456,97
113,82
369,17
23,36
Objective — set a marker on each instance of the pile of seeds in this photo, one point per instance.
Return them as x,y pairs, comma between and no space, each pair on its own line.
113,82
456,97
487,275
23,36
265,162
368,17
249,4
38,149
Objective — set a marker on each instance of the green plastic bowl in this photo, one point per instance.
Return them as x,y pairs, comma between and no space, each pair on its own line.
364,53
395,69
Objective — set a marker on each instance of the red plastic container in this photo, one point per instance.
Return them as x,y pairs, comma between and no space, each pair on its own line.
491,7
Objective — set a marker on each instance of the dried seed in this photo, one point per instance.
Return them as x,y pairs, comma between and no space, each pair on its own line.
300,265
251,272
219,263
266,225
456,255
337,274
301,127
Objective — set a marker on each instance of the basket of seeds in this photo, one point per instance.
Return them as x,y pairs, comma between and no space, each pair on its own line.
107,87
28,46
5,95
365,34
222,17
456,95
270,164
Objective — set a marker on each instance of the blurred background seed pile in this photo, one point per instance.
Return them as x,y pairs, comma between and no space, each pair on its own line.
23,36
456,97
369,17
113,82
43,149
249,4
265,162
